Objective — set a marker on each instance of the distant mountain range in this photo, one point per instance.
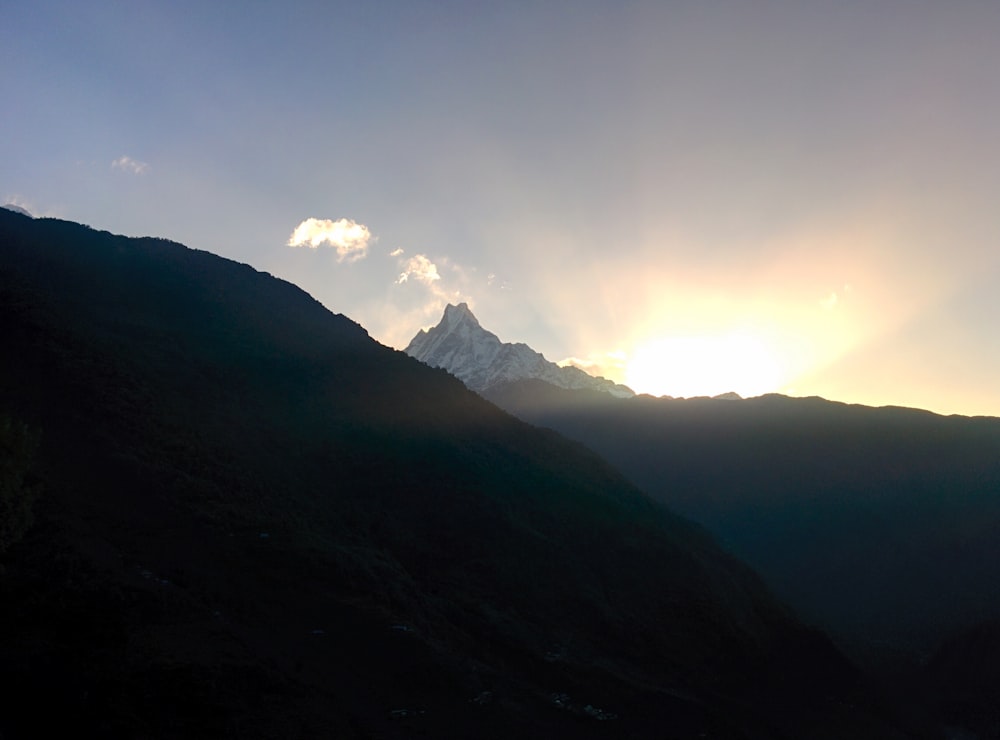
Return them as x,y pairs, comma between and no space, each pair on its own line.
230,512
479,359
880,524
859,517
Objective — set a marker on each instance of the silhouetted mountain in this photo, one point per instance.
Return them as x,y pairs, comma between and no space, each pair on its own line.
966,674
882,524
480,360
252,520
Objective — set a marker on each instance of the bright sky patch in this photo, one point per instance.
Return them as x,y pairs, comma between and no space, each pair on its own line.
703,366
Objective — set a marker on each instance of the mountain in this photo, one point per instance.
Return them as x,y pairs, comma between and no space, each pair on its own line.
880,524
966,673
479,359
810,492
235,514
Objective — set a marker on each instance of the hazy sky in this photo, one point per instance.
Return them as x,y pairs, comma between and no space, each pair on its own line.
696,196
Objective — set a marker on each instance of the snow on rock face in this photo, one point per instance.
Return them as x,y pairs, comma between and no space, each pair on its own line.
480,360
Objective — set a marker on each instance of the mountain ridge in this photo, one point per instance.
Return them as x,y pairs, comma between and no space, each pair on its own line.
477,357
809,490
256,519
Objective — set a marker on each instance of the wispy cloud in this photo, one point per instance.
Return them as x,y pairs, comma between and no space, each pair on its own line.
495,281
17,203
127,164
831,301
421,290
350,239
419,268
609,365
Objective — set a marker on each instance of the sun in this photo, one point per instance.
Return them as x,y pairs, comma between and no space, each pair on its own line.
703,366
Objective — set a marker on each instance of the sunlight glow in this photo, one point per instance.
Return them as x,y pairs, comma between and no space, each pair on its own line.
703,366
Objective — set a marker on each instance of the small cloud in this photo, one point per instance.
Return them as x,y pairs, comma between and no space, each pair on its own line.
350,239
127,164
18,209
605,365
578,362
495,281
835,298
422,287
22,205
419,268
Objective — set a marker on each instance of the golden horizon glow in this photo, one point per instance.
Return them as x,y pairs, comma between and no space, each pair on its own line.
704,365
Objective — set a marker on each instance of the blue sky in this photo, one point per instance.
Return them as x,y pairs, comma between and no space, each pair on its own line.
689,196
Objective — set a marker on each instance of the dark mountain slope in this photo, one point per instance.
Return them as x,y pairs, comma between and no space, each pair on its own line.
881,523
255,521
966,674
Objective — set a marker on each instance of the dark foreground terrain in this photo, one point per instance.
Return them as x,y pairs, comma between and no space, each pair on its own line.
882,525
230,513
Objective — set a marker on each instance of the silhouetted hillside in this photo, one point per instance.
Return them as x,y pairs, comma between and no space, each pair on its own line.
252,520
882,524
965,672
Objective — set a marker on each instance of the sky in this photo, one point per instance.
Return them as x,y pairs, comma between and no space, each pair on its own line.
689,197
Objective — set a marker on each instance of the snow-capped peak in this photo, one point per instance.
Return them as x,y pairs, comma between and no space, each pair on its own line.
479,359
454,314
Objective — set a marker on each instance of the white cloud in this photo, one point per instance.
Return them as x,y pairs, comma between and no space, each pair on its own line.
350,239
419,268
421,290
127,164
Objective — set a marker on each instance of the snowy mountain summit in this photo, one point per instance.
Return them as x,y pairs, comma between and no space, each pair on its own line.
480,360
